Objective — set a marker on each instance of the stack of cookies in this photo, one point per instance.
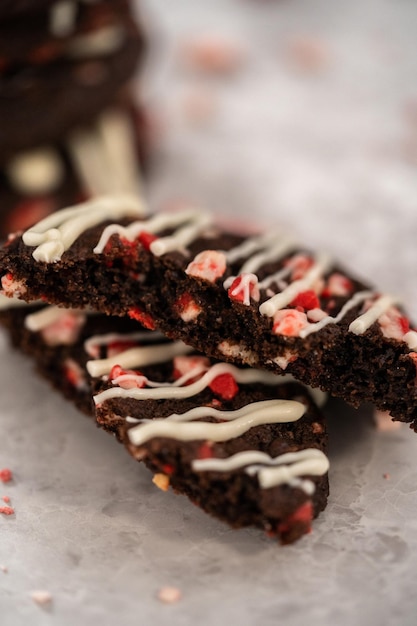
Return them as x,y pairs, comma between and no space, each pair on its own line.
69,127
192,375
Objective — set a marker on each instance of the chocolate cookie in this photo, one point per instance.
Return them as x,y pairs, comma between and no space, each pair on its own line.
263,300
46,89
246,446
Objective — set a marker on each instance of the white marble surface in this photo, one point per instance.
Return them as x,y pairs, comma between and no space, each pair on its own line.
330,156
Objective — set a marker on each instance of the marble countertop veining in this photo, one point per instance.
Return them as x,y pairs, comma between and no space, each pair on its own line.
329,152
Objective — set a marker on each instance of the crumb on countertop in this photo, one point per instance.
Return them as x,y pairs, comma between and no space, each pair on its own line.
169,595
213,54
41,597
6,475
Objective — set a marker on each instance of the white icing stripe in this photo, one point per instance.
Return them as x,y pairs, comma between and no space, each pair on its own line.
312,463
198,222
97,43
281,300
166,390
53,235
105,156
359,297
282,469
116,142
96,341
48,315
62,16
251,245
275,278
255,414
136,357
363,322
276,250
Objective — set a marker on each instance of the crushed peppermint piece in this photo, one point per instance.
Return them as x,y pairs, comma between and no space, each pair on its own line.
5,475
386,476
213,54
6,510
6,499
135,313
289,322
169,595
41,597
208,265
4,569
224,386
187,307
306,300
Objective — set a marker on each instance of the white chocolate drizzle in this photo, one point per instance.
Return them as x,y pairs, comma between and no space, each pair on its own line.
92,344
135,357
282,299
56,233
272,471
40,320
359,297
363,322
105,156
238,422
175,391
190,222
62,16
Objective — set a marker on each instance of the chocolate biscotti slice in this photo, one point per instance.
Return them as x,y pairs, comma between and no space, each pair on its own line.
246,446
262,300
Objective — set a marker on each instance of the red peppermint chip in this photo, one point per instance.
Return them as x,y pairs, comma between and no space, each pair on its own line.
6,510
5,475
145,239
301,517
224,386
141,316
307,300
289,322
337,285
205,451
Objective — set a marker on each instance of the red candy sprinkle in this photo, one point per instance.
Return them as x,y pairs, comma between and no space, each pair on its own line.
6,510
145,239
6,499
141,316
205,451
168,469
224,386
302,515
5,475
307,300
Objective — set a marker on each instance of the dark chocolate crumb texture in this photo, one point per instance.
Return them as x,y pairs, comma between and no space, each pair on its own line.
262,300
245,445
